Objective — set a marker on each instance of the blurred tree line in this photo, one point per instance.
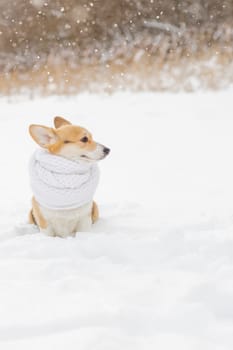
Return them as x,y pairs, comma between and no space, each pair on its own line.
68,43
103,30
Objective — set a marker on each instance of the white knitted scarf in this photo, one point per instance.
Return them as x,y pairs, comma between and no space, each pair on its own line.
60,183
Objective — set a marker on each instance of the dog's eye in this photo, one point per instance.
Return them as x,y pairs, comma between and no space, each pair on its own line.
84,139
67,141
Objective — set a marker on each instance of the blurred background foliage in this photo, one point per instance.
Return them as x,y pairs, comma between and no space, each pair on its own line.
72,45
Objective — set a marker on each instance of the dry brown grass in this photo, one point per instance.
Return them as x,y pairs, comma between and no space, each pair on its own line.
206,70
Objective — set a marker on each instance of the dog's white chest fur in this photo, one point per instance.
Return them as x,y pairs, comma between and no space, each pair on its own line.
67,222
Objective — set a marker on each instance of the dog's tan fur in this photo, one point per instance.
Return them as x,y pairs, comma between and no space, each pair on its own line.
37,216
65,140
64,132
95,213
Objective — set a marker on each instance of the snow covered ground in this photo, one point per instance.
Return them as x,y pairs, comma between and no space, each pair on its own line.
156,272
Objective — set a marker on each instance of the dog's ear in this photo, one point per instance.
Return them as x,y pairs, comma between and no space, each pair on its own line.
43,135
59,121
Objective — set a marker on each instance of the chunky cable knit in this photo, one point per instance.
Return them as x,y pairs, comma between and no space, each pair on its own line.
59,183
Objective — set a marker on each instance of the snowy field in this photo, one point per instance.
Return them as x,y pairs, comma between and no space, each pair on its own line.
156,272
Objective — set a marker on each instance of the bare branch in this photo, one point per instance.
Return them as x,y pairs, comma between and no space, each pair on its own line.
163,26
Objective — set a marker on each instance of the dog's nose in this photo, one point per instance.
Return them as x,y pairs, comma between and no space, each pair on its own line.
106,151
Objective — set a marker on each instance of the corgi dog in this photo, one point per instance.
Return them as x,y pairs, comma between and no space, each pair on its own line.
64,176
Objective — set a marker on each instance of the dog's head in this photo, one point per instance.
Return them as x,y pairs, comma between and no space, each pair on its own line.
69,141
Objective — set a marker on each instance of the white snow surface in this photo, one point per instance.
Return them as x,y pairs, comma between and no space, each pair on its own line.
156,272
